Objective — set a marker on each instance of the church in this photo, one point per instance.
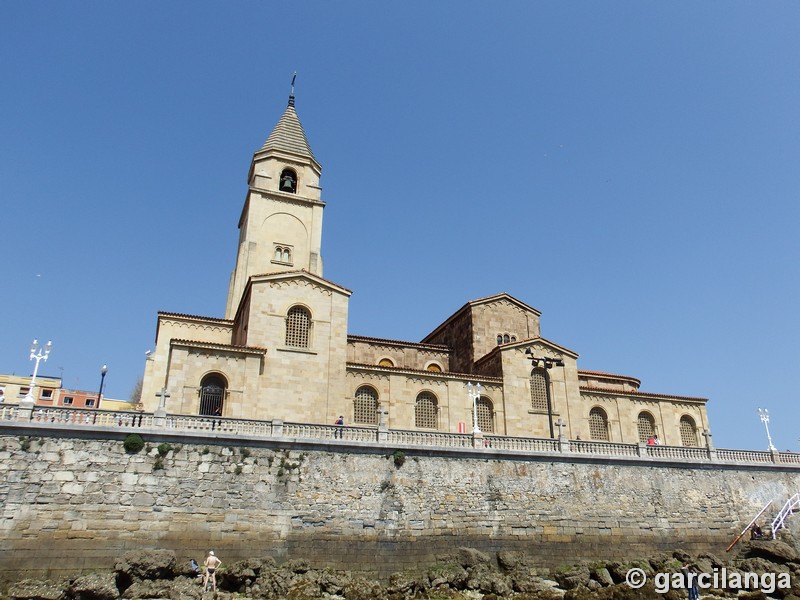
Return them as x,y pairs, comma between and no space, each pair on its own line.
282,350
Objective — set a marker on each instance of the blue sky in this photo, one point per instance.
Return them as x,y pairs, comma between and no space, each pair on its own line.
627,168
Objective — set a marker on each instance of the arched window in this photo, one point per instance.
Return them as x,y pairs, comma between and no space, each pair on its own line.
282,254
688,431
499,339
212,394
598,424
426,411
366,406
646,425
513,339
288,181
485,415
298,324
506,339
434,368
538,390
385,362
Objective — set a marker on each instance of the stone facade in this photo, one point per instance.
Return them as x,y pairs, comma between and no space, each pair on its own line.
283,350
71,504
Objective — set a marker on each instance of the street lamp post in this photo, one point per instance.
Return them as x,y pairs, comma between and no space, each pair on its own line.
474,396
764,414
103,372
38,354
546,363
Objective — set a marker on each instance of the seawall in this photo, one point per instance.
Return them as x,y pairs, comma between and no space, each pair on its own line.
74,501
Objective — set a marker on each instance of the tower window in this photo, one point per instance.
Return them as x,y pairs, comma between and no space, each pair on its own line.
504,338
288,182
298,325
282,254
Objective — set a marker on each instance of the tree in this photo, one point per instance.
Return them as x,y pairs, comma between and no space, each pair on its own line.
136,392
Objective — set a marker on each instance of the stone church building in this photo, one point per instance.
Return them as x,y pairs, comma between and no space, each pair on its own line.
282,350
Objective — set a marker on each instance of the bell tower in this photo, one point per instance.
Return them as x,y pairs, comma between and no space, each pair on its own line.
280,228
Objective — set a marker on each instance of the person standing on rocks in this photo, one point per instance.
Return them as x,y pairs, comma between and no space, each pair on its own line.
212,563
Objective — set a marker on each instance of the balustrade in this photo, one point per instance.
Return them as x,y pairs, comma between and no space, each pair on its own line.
221,426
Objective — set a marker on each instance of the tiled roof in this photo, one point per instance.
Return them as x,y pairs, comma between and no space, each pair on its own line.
288,135
162,313
362,338
594,390
440,374
216,346
300,272
604,374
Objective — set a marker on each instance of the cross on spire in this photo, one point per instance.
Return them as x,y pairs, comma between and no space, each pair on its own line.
291,93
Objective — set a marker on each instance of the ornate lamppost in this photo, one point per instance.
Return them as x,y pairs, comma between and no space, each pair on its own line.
474,393
38,354
764,414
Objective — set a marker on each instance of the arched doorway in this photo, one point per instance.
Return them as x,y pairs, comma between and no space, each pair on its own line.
212,394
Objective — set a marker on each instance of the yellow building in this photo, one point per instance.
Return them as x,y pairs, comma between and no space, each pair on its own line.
13,388
282,350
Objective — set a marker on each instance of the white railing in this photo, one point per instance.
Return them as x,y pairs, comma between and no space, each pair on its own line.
521,444
603,448
243,427
8,412
785,512
428,438
276,429
750,456
679,452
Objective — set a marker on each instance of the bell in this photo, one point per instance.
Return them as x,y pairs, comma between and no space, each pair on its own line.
287,184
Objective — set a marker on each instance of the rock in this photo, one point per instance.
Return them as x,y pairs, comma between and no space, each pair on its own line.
146,564
508,560
186,588
759,565
34,589
407,582
470,557
95,586
772,550
150,589
527,583
602,576
574,577
450,575
296,566
486,580
272,583
358,588
621,591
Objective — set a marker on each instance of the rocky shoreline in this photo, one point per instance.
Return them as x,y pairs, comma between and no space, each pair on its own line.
463,574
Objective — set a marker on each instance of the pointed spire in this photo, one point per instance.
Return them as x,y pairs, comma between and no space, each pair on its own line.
288,134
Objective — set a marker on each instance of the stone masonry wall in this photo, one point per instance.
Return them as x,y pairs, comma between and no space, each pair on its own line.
71,504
